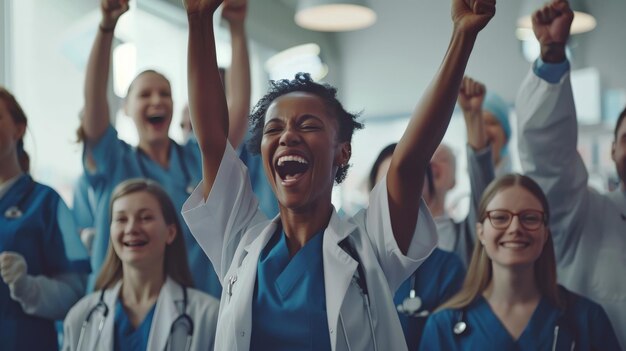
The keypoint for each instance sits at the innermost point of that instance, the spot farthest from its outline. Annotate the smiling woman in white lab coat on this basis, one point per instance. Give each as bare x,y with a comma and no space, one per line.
309,280
144,299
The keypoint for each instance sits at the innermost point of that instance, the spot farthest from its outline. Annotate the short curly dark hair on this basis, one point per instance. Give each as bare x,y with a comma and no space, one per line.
302,82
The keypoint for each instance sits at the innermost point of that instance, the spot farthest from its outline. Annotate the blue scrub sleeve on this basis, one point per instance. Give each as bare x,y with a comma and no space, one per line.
432,337
551,72
105,154
64,252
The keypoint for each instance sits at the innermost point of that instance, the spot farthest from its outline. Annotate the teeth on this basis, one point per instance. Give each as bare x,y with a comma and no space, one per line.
514,244
294,158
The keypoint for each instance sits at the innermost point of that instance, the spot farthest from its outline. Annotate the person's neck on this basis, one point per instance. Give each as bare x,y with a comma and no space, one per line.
157,151
436,204
141,287
301,225
9,169
510,286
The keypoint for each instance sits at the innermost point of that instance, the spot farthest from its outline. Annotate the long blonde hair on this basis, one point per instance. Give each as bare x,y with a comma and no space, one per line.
175,263
479,273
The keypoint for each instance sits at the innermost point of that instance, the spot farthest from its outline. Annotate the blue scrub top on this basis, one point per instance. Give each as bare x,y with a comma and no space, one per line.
45,234
584,324
436,280
289,302
83,203
127,338
261,187
117,161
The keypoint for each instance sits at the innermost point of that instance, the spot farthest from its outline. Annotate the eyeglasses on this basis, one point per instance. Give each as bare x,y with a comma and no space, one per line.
529,219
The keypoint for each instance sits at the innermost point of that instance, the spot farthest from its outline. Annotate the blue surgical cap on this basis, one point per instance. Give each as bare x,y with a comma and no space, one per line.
500,110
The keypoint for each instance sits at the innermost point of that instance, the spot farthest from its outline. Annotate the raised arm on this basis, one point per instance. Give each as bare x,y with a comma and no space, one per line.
207,103
238,75
471,97
430,119
97,114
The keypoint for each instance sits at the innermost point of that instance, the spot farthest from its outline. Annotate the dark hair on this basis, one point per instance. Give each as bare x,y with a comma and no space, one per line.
388,152
132,84
620,119
19,117
303,83
175,264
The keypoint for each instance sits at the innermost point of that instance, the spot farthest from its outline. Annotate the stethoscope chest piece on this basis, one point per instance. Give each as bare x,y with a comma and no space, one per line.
459,328
189,189
13,212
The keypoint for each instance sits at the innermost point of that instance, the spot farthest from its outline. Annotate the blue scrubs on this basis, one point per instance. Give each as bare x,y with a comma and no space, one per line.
289,302
261,187
436,280
45,234
83,204
583,325
117,161
127,338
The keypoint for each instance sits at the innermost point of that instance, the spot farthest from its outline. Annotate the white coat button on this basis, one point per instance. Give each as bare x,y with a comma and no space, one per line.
332,330
242,334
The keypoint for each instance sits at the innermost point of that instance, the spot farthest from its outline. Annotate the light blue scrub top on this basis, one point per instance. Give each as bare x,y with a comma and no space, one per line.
261,187
127,338
45,234
436,280
117,161
83,203
289,302
583,325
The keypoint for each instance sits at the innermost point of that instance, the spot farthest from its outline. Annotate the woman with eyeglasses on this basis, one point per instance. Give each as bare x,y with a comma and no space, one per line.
144,298
510,299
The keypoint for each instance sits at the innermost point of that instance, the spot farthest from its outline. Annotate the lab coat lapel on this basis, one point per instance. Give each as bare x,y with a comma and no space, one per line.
339,268
243,309
165,313
106,339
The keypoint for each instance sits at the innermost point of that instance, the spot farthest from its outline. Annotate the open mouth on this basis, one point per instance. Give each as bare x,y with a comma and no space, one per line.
135,243
291,167
156,120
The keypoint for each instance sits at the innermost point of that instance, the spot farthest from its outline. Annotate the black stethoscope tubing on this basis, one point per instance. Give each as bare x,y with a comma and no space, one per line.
101,305
16,211
183,164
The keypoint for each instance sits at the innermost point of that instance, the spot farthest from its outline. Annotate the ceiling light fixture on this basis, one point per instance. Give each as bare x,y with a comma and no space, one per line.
334,15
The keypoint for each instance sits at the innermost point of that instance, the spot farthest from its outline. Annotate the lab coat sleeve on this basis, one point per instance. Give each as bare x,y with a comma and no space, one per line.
50,297
396,266
548,134
74,320
219,223
481,173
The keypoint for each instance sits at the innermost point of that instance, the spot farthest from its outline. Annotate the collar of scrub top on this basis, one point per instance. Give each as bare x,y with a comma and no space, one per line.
189,187
17,211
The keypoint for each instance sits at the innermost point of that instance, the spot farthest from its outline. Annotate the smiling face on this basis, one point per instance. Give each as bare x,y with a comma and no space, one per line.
301,152
139,233
515,245
149,104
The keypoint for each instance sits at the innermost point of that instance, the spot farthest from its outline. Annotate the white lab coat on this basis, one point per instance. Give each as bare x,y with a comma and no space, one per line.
233,231
588,228
201,307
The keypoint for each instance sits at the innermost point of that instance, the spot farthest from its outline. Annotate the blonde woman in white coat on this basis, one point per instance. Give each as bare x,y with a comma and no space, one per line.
143,298
310,280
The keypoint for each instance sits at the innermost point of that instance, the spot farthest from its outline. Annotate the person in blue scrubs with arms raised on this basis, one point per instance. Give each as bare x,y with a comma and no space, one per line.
435,281
510,299
144,298
43,263
149,103
310,280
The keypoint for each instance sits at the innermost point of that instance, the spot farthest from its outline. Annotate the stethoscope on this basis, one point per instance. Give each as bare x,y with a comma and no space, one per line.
412,303
460,328
359,278
15,212
101,307
183,165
